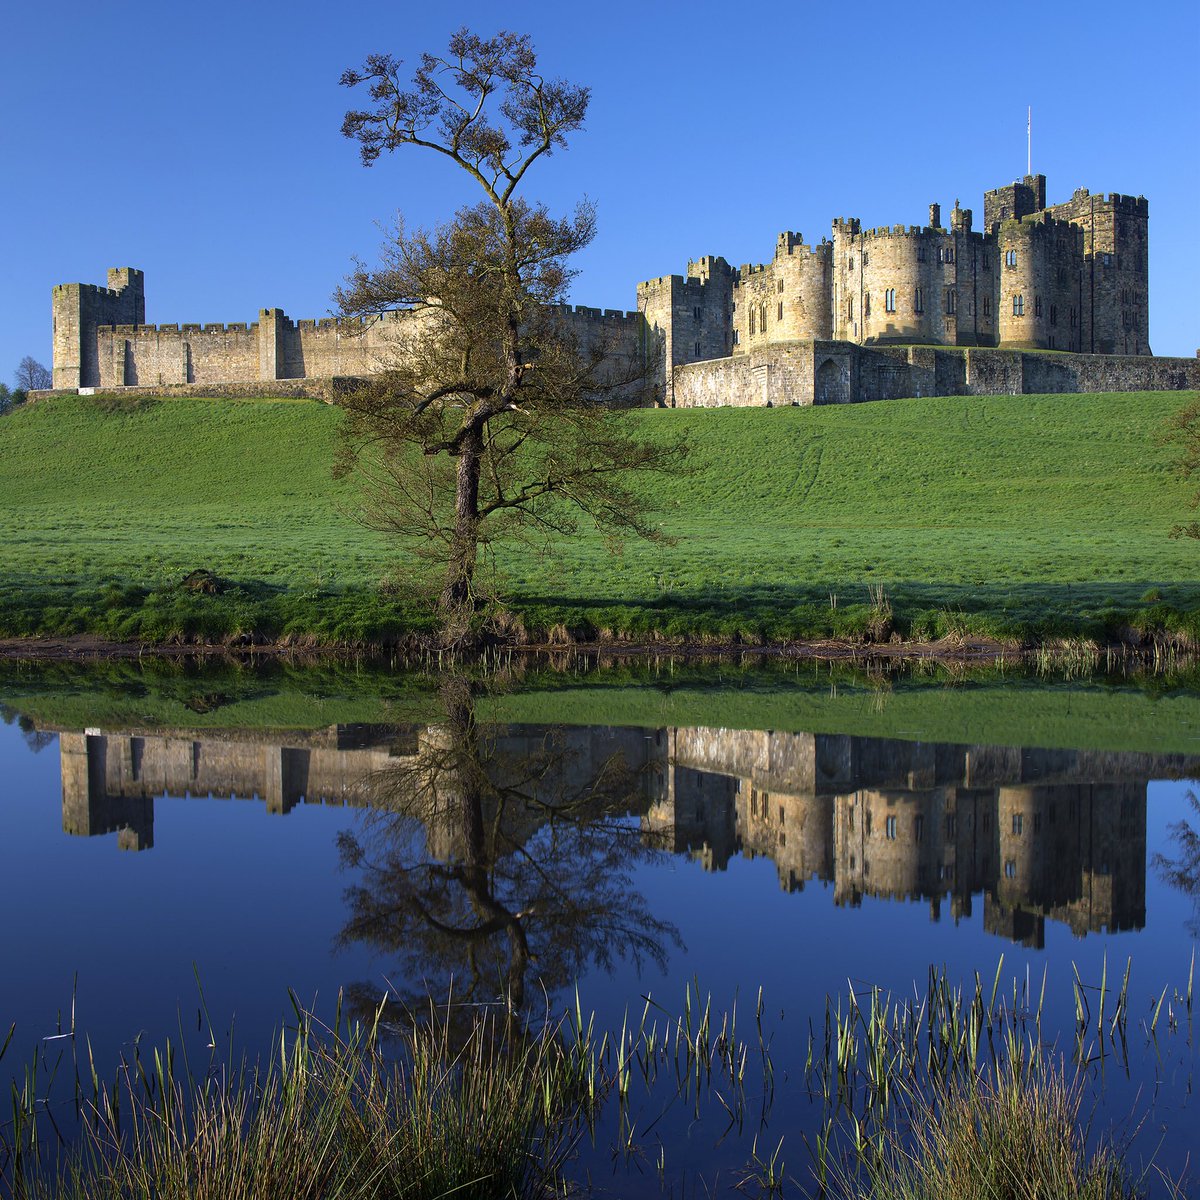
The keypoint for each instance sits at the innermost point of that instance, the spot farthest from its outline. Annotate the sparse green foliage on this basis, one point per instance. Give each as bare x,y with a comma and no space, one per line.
489,422
1183,430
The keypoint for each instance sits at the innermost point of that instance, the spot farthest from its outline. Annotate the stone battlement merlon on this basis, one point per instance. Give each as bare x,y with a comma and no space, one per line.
603,314
142,330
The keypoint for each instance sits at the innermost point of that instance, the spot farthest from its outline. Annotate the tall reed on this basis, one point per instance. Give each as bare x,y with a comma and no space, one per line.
334,1114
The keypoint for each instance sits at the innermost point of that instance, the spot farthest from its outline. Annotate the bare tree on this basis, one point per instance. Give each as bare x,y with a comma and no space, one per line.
493,420
32,376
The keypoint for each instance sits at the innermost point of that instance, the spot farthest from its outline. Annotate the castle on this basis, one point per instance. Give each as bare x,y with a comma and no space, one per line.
865,314
1038,834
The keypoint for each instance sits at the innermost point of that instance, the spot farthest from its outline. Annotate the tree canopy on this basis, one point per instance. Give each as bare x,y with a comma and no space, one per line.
492,416
1183,430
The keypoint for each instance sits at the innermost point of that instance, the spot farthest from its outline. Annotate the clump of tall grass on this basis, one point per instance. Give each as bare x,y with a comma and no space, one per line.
1014,1134
483,1113
956,1095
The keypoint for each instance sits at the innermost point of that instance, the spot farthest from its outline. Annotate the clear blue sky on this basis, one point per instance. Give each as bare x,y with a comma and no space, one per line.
201,142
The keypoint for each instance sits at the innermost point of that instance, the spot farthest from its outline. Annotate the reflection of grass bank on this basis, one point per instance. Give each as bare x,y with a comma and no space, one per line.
1004,517
1152,712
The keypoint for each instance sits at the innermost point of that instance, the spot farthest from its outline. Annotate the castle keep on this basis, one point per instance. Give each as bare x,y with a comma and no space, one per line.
865,314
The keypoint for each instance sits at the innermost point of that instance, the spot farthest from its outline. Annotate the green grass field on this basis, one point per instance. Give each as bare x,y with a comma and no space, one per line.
1019,516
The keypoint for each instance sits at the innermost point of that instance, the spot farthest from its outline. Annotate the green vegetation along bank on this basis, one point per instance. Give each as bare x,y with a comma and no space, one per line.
1022,518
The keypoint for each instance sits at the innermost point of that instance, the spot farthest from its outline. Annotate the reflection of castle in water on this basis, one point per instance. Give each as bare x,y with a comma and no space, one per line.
1040,833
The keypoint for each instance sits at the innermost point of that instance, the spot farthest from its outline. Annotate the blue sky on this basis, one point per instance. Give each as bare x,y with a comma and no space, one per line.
201,143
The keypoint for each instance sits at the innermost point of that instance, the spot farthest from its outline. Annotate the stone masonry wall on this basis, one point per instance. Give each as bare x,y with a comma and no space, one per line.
101,340
772,375
801,373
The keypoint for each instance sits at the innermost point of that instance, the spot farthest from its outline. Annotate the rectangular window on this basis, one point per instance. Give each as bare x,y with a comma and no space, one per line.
1106,259
850,309
950,826
781,310
951,300
737,337
850,261
864,258
697,349
949,254
1018,306
889,828
867,304
920,254
696,313
762,317
1072,318
987,306
987,261
919,829
779,287
889,300
919,300
1010,869
1037,306
1010,258
752,313
1018,822
1054,314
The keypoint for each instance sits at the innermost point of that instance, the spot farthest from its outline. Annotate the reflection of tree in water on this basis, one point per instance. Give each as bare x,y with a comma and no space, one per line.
1183,871
495,866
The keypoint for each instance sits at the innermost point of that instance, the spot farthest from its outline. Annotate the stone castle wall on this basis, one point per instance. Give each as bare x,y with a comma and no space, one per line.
802,373
864,315
101,341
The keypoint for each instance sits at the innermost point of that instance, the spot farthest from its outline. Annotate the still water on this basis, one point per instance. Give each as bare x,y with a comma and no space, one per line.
183,838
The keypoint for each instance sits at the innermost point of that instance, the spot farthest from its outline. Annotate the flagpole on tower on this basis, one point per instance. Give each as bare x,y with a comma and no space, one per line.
1029,141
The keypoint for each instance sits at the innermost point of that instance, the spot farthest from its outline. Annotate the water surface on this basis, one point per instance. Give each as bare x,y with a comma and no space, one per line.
172,840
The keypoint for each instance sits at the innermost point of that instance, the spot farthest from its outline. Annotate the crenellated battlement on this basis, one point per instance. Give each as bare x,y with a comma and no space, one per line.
793,245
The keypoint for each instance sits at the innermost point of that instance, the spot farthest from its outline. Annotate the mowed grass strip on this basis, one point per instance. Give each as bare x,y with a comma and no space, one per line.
1014,515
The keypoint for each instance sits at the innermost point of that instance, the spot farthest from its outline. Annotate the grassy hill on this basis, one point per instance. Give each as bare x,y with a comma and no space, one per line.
1015,516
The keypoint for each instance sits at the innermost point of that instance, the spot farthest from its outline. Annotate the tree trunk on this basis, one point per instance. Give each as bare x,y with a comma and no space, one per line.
456,599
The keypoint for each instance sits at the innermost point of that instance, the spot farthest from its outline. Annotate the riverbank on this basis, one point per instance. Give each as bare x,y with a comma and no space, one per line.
950,651
1015,521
